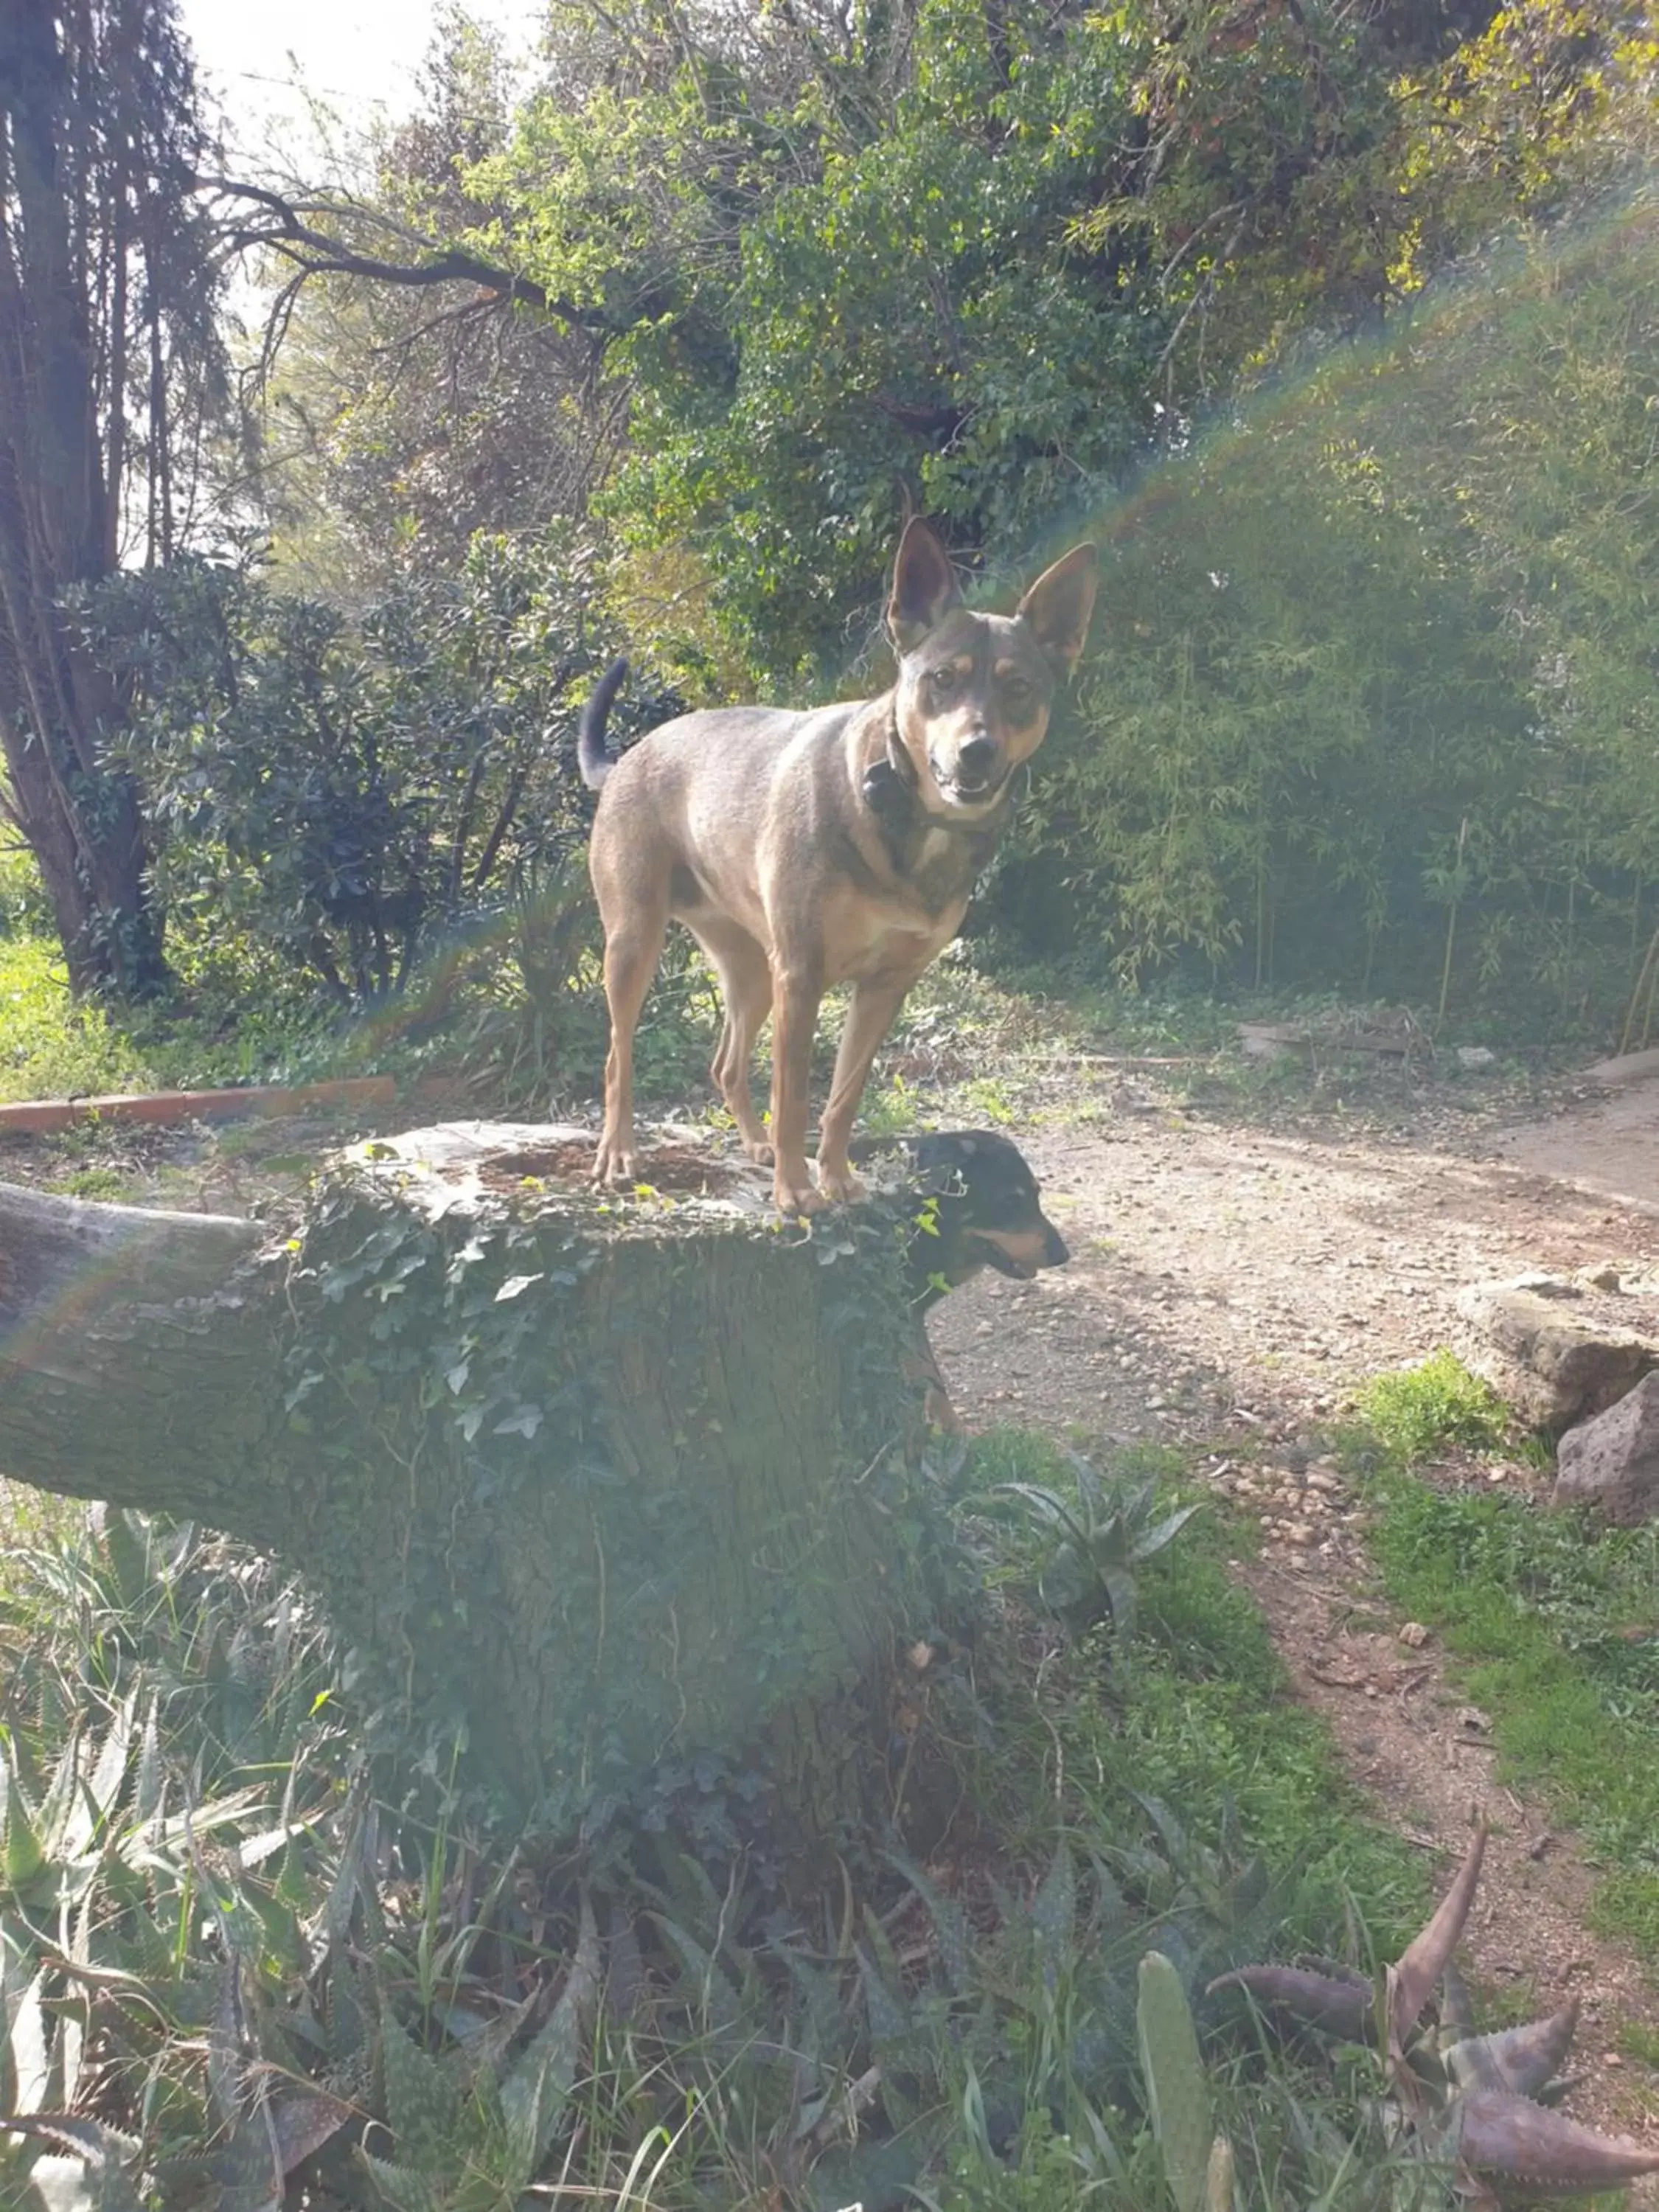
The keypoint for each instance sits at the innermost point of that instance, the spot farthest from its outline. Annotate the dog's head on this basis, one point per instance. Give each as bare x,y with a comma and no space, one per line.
974,691
985,1213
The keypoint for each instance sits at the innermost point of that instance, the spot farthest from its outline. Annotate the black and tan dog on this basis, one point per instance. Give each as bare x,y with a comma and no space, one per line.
803,850
982,1208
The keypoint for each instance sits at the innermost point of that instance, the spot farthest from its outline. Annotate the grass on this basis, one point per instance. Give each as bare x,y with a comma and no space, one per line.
1552,1620
50,1048
1103,1800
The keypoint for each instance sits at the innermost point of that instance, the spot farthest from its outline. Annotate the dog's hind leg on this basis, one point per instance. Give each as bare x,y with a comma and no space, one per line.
746,980
633,947
876,1002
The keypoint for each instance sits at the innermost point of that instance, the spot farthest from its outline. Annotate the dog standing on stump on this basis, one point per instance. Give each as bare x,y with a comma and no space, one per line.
803,850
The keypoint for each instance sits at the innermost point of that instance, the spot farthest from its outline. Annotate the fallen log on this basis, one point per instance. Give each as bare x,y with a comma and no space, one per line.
590,1483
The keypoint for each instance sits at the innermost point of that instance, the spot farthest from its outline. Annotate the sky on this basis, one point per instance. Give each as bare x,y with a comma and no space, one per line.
357,55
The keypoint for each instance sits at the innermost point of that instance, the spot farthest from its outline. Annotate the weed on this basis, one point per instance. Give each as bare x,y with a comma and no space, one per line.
93,1183
1436,1406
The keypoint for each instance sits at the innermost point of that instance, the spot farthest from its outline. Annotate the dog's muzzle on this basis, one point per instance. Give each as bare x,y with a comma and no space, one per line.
970,789
1021,1266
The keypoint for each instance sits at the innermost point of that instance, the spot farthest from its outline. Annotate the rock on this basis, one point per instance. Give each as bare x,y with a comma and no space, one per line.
1413,1635
1628,1067
1272,1040
1554,1350
1612,1462
1475,1055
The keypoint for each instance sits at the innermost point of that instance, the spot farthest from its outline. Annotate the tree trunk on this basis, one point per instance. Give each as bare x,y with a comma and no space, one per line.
67,176
593,1484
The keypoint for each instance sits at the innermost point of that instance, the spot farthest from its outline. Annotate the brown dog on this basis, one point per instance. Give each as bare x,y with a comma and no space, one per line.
806,849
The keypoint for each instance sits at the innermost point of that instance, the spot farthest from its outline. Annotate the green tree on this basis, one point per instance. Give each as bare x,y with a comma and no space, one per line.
397,424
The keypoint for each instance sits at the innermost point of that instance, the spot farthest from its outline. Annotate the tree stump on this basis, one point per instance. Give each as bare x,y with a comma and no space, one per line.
590,1484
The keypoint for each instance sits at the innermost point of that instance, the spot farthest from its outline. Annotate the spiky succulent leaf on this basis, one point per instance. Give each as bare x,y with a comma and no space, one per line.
1344,2007
424,2104
1054,1916
1516,2140
1411,1980
302,2124
1520,2060
1149,1542
25,1849
86,2167
535,2094
717,1994
25,2062
401,2187
950,1922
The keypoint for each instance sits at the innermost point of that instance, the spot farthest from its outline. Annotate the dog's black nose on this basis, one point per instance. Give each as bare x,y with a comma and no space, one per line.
977,757
1054,1254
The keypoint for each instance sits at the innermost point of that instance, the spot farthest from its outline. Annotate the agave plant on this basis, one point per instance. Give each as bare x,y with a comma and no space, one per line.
471,2129
1112,1529
1483,2102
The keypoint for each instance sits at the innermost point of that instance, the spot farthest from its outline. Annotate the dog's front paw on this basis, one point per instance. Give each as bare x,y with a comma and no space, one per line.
793,1194
759,1151
839,1186
613,1163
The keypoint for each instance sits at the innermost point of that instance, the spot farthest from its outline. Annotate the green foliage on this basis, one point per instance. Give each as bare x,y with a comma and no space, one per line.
160,1806
49,1047
351,793
272,1960
1434,1406
826,259
481,2154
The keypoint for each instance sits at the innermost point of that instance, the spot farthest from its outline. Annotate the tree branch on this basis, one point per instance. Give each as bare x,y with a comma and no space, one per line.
315,252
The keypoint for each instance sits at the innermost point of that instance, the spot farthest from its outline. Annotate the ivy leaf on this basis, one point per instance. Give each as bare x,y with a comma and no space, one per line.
524,1423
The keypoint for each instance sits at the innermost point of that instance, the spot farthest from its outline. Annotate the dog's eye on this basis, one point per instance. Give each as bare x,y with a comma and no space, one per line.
1017,690
944,680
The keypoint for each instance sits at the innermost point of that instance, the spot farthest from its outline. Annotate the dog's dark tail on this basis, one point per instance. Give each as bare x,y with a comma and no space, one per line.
593,755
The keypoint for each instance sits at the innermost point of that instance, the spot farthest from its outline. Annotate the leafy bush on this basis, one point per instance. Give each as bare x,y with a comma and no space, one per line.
353,792
1368,701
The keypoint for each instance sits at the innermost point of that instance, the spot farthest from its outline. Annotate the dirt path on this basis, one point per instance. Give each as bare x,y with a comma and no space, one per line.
1226,1288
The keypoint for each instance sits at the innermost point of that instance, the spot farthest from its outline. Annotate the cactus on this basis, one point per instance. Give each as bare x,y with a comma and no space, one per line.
1486,2096
1199,2170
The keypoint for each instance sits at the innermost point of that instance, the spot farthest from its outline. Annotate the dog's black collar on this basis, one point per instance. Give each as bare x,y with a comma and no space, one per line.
891,790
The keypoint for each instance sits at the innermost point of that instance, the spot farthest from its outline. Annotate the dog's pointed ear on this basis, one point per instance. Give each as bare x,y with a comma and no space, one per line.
925,586
1059,604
